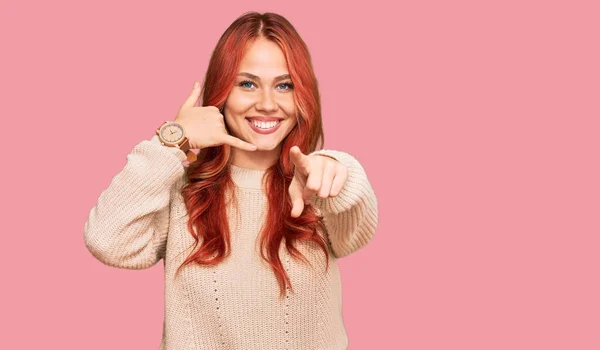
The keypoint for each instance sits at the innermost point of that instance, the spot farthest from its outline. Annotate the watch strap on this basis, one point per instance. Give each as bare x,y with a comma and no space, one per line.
191,156
185,146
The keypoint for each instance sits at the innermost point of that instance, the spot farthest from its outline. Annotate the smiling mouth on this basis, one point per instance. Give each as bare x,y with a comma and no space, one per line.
264,125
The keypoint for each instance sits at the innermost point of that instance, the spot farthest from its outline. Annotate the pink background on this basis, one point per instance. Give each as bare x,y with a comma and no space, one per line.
477,123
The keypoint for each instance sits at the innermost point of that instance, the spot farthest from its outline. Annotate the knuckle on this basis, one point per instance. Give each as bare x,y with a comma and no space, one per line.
331,166
312,187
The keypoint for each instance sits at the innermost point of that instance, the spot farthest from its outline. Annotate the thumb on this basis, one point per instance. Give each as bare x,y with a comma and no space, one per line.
194,96
296,198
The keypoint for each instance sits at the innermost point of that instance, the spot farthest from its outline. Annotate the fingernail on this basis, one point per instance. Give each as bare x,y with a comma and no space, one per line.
195,85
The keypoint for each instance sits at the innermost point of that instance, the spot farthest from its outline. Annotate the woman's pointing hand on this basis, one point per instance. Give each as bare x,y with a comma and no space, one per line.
314,175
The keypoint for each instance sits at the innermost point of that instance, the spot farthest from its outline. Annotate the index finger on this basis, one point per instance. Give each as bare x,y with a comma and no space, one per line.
299,159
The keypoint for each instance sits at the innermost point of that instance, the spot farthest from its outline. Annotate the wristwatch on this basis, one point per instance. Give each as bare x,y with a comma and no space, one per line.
172,134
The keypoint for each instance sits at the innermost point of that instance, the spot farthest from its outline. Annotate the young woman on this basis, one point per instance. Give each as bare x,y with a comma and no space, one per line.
251,228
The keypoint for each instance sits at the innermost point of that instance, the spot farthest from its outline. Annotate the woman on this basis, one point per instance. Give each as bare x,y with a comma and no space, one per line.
250,230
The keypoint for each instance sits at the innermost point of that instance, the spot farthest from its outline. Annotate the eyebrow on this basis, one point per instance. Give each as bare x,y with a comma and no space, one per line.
252,76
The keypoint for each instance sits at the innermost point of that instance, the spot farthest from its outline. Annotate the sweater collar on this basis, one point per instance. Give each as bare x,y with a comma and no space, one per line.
247,178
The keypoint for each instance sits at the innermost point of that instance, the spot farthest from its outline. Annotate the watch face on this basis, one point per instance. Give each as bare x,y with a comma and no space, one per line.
172,133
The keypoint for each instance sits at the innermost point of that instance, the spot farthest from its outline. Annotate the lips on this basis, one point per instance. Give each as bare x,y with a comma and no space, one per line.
264,119
263,131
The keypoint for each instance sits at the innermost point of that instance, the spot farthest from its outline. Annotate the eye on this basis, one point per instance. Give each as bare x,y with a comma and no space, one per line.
245,83
289,85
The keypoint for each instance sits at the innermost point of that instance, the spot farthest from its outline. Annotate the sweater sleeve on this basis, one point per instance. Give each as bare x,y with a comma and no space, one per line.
128,226
351,217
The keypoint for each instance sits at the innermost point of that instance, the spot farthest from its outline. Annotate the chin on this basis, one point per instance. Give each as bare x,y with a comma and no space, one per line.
266,146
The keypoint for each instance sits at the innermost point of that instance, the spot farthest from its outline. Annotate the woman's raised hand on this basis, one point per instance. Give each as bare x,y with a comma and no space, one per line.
205,126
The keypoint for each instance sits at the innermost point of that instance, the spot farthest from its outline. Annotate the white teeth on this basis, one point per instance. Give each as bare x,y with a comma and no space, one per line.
264,125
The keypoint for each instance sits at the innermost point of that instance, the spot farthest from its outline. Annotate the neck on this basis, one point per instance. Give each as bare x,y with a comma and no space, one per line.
256,160
248,178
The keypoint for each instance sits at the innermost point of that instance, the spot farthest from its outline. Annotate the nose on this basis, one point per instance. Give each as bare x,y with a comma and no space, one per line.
266,102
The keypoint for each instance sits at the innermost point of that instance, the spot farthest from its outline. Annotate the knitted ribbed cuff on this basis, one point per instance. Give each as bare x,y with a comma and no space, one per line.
166,149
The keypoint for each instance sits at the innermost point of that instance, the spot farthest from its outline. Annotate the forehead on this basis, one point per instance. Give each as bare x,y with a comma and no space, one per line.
265,59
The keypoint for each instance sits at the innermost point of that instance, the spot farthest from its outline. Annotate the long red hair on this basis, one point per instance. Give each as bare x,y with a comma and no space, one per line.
209,178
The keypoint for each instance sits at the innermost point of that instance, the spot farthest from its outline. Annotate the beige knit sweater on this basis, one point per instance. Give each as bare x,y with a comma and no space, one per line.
141,218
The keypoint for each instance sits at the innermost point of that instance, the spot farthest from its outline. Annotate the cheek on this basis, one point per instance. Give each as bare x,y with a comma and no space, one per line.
293,123
238,102
289,107
291,126
231,119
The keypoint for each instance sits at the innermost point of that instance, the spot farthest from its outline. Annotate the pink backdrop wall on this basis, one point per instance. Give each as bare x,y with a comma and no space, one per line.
477,123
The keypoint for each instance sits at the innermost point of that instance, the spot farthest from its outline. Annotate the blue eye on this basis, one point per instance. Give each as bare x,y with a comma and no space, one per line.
243,83
248,84
289,85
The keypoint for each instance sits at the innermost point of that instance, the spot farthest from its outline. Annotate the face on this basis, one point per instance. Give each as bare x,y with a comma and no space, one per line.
260,108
